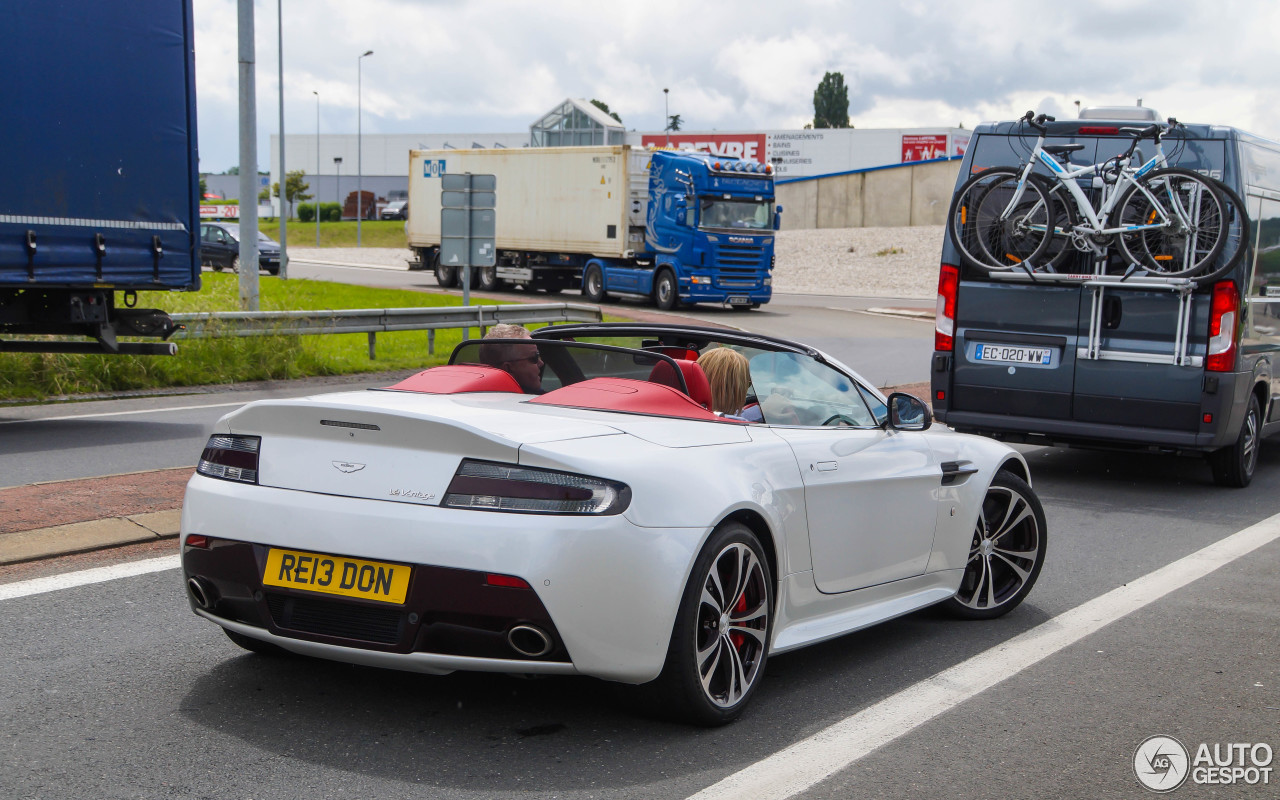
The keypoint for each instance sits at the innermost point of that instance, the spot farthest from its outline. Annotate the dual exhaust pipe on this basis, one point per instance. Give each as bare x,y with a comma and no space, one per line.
529,641
202,592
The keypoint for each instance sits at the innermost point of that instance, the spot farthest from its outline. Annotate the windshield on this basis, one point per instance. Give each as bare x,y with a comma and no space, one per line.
737,213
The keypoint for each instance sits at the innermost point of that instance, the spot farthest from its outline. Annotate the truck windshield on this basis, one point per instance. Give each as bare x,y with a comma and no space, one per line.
739,213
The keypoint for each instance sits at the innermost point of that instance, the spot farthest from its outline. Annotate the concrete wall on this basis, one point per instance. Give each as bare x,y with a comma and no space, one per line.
898,196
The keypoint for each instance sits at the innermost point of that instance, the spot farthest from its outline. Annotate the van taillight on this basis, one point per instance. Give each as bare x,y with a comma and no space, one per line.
1223,313
944,321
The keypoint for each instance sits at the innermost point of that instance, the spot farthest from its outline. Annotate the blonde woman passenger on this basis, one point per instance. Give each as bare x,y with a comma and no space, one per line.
729,375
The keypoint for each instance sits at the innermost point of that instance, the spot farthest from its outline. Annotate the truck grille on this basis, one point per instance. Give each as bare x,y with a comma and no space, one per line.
740,255
336,618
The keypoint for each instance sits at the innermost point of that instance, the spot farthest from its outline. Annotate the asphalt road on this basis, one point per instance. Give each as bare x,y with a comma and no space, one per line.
115,689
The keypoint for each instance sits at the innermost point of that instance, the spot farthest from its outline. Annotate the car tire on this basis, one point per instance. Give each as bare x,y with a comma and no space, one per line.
1005,554
255,645
1234,465
447,277
217,267
711,674
666,293
593,284
234,264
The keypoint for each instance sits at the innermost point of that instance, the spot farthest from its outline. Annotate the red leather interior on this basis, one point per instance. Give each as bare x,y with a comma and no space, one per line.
694,378
459,379
625,394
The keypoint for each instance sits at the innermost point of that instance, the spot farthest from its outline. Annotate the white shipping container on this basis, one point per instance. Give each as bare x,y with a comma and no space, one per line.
549,199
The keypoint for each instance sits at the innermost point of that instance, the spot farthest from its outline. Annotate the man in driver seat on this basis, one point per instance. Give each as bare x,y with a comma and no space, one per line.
519,359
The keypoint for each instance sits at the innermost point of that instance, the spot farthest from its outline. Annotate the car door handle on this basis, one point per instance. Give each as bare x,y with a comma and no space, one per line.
953,471
827,466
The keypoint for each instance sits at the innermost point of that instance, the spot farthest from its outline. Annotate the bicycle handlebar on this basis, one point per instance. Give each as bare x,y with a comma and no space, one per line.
1037,122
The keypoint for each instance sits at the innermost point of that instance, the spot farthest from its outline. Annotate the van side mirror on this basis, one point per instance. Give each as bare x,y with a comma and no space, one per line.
908,413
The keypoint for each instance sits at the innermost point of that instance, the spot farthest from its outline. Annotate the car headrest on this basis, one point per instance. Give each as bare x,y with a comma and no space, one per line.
694,378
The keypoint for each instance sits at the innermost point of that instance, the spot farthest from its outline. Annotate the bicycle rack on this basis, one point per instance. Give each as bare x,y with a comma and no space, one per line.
1098,284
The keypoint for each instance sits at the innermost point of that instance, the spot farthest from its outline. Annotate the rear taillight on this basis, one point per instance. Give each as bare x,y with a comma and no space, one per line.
1223,314
231,458
490,486
1099,130
944,325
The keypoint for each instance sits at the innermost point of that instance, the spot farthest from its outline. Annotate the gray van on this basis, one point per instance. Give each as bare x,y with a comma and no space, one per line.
1145,363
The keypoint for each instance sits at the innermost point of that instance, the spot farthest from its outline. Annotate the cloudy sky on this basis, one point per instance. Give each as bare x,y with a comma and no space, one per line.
485,66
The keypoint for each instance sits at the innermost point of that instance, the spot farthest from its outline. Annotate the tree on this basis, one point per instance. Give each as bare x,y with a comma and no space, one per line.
605,108
295,189
831,102
674,122
204,188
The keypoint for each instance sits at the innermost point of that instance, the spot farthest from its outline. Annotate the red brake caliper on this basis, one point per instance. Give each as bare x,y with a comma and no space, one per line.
739,607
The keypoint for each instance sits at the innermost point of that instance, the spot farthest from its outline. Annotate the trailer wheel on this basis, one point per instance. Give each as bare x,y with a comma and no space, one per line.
593,284
487,279
447,277
665,293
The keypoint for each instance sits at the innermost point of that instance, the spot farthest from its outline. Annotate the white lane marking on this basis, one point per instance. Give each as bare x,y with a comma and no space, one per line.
123,413
807,762
70,580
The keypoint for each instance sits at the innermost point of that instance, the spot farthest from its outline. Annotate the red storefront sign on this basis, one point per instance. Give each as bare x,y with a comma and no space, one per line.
922,147
749,146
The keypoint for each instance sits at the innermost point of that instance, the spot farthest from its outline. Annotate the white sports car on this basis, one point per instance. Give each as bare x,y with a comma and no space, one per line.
569,505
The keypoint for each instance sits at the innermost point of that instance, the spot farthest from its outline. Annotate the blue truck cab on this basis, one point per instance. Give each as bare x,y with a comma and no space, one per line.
99,160
708,236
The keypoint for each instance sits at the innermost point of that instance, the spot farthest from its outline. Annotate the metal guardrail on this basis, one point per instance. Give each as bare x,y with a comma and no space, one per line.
373,321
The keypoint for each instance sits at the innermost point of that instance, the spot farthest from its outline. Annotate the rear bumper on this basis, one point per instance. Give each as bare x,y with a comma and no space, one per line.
606,589
1225,406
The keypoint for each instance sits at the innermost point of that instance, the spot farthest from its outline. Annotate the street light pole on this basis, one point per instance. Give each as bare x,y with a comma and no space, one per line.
666,114
359,151
317,194
284,183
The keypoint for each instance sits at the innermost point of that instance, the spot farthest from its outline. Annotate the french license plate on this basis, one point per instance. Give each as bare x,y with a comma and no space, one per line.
1013,354
348,577
739,300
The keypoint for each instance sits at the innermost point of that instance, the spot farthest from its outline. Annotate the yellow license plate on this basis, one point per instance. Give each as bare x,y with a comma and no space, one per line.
349,577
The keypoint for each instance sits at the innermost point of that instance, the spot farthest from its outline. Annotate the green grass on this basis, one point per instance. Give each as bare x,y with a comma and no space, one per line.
373,233
231,359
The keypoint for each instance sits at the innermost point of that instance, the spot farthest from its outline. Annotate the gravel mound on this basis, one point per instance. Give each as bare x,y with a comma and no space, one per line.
858,262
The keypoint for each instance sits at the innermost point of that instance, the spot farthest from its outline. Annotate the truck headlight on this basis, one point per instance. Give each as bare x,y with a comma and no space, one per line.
702,279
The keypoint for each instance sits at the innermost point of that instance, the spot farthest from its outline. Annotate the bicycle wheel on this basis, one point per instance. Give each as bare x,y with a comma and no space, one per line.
960,218
1196,224
1238,234
999,228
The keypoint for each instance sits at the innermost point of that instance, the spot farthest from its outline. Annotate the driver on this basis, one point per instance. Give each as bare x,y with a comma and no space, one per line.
520,359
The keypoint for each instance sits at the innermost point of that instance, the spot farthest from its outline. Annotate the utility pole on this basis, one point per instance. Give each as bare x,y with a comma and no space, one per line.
284,183
248,162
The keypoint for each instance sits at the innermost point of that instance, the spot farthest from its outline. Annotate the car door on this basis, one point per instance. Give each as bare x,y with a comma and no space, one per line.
870,492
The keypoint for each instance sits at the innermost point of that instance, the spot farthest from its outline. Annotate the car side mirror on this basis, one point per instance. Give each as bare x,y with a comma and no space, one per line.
908,413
